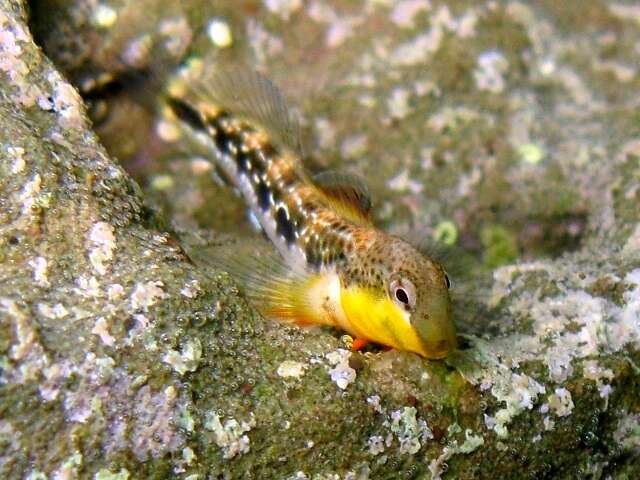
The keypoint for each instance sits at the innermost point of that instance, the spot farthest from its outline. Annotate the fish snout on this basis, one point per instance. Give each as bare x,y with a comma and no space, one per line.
437,331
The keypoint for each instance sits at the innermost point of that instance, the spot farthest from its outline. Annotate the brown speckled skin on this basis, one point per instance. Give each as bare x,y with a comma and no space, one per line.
379,256
305,217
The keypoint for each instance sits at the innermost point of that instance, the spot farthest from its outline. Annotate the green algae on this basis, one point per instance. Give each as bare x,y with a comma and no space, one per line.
500,246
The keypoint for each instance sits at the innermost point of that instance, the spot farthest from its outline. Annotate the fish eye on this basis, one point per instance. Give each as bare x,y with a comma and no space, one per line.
447,281
403,293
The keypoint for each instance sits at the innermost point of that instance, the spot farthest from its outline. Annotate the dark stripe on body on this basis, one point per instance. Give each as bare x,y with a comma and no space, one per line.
187,114
228,136
284,226
328,248
264,195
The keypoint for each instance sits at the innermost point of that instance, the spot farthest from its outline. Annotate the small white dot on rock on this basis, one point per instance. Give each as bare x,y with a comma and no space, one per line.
220,33
104,16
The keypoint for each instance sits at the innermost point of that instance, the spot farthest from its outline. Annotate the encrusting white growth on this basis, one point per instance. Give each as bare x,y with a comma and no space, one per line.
405,11
375,444
103,242
230,437
627,434
374,402
19,162
146,295
291,369
398,103
101,329
186,360
342,374
560,402
115,291
40,271
410,431
471,443
29,193
283,8
58,311
192,289
489,76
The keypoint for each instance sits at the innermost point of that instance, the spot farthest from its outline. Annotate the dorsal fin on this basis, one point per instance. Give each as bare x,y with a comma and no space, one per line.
243,93
348,194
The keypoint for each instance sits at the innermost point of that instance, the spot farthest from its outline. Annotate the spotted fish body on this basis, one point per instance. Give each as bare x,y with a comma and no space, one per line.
334,267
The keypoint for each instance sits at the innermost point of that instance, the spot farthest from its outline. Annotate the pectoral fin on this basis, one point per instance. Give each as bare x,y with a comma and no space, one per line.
276,289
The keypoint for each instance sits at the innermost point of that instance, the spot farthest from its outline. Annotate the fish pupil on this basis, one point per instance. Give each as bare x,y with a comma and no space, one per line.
402,296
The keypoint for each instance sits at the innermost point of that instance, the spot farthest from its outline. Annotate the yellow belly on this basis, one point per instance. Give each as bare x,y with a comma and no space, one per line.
377,318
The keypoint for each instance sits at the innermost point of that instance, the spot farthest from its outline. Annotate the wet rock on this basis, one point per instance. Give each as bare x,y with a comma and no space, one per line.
121,357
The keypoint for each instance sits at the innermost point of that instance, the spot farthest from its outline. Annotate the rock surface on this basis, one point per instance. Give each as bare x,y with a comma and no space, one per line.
506,130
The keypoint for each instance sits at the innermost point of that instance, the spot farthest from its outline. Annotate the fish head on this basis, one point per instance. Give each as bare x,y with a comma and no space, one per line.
418,287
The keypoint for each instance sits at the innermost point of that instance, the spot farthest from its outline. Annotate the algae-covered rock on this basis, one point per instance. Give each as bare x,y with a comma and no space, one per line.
506,130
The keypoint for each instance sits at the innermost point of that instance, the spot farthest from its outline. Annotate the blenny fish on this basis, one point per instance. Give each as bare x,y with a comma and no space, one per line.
333,267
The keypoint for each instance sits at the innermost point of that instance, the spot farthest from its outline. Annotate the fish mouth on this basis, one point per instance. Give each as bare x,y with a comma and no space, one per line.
440,349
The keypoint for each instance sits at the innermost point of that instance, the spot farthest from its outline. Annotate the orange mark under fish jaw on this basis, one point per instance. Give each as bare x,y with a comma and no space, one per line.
359,344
